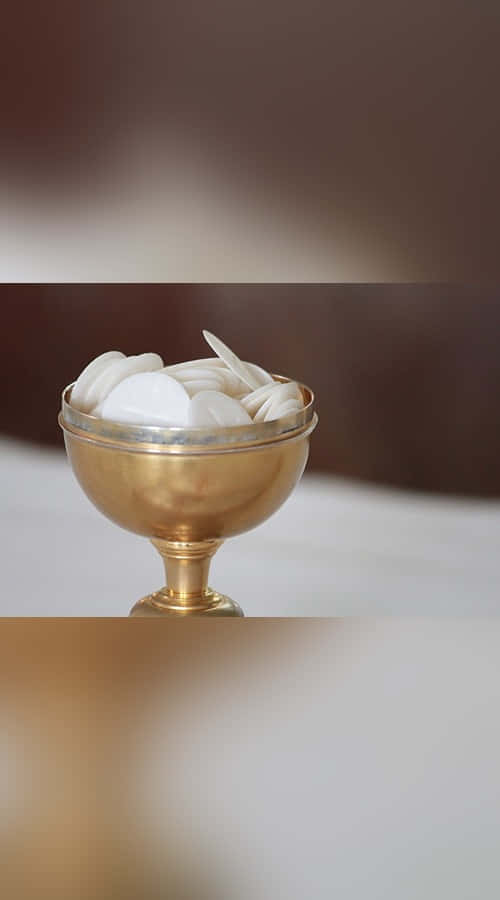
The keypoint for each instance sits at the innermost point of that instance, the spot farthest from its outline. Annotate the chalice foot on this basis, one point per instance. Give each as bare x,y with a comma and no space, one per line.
186,591
161,604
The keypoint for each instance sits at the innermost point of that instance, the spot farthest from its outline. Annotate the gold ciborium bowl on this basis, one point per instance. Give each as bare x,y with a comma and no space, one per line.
187,490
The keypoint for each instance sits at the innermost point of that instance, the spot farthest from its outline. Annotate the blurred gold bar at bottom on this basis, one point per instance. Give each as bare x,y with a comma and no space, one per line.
79,699
248,759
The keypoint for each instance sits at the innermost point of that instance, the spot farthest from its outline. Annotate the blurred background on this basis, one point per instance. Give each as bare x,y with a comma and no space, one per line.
250,760
401,495
303,142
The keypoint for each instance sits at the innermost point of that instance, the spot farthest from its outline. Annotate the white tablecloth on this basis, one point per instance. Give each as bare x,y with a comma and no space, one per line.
335,548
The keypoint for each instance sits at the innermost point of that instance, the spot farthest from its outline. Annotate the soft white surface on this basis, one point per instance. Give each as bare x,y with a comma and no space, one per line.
335,548
358,761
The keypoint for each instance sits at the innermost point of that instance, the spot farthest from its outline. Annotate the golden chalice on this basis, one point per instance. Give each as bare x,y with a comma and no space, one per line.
187,489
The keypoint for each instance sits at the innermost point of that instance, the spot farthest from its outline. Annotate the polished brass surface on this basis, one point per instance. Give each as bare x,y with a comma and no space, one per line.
186,591
187,490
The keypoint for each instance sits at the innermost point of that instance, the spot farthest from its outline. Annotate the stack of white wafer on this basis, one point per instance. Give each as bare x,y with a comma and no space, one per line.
220,391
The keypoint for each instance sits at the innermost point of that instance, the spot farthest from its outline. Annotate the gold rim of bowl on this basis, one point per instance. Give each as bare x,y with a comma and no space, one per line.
155,439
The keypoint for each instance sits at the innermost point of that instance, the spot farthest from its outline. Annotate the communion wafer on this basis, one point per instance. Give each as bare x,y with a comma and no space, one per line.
148,398
119,370
88,376
232,361
284,409
219,391
210,408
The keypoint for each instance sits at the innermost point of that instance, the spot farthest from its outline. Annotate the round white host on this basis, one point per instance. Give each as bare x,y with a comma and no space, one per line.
209,361
253,401
252,377
210,408
86,378
261,375
117,372
284,409
273,400
148,398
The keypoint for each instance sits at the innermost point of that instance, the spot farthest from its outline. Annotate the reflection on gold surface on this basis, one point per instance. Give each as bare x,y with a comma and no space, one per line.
187,490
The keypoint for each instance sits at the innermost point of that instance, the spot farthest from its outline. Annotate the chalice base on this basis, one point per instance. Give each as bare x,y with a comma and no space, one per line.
161,603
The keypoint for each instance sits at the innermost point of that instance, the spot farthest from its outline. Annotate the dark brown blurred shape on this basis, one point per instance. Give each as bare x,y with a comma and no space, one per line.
382,117
407,377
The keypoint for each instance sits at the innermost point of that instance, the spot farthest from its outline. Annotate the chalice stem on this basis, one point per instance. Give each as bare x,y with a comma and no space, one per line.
186,568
